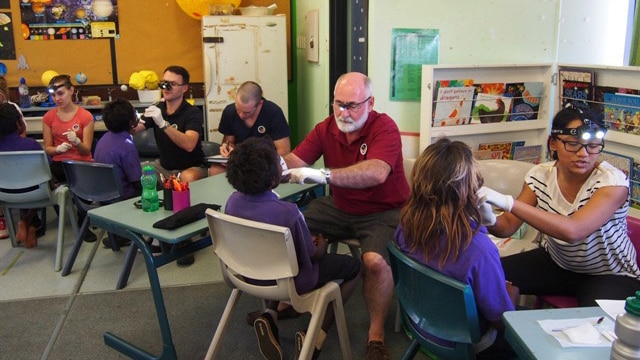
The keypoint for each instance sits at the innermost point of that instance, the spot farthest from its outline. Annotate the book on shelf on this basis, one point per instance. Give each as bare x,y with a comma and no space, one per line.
490,105
622,112
529,153
499,150
635,185
526,98
598,102
453,106
514,146
577,87
486,154
622,162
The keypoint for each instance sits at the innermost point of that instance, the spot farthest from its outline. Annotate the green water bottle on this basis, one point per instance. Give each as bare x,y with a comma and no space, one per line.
149,199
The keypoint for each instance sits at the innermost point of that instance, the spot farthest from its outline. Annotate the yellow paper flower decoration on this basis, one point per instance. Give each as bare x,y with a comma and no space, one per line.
144,79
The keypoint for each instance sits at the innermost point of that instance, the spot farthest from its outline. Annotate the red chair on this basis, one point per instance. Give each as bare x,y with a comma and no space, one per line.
633,229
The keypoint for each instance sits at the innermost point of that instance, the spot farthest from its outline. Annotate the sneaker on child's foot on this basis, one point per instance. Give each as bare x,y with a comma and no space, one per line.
377,350
299,342
268,340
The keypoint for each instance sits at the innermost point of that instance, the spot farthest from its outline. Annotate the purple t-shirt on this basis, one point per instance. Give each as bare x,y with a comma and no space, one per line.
14,142
479,266
267,208
118,149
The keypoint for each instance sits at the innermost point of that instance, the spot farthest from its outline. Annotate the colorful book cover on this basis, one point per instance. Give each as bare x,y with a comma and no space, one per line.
526,97
485,155
622,162
490,105
598,103
577,87
514,146
635,186
453,106
529,153
500,150
622,112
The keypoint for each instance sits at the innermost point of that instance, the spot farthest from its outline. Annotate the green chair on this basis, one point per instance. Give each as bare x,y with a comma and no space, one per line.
433,303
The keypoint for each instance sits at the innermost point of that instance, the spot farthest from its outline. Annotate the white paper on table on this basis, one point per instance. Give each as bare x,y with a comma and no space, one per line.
612,307
556,328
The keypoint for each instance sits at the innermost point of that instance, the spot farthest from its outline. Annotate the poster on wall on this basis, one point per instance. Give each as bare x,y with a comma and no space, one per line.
5,4
7,44
69,19
410,49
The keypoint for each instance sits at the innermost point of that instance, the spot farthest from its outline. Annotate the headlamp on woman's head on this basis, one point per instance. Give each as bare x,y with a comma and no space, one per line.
587,131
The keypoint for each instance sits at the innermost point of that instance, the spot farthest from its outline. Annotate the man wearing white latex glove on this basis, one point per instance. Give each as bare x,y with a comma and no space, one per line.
177,126
362,153
64,147
504,202
153,112
486,211
306,175
72,137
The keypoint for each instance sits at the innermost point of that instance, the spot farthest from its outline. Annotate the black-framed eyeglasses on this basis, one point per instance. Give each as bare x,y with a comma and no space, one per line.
168,85
574,146
350,106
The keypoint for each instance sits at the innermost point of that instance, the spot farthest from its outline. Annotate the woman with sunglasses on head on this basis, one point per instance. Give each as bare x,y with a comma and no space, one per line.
67,130
579,205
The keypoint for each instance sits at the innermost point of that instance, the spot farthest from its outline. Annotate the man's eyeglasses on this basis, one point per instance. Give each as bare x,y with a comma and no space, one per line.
574,146
350,106
168,85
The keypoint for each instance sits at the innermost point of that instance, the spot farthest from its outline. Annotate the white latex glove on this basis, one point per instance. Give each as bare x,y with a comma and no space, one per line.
486,211
283,164
504,202
153,112
64,147
72,137
305,176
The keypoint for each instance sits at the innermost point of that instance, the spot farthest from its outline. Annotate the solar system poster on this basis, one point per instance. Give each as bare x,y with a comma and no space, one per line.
7,44
69,19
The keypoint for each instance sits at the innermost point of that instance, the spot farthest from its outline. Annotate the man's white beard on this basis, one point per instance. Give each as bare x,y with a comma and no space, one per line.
349,124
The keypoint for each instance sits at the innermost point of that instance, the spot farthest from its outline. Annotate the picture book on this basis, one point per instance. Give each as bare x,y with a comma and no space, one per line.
485,155
622,162
490,105
447,83
635,186
514,145
529,153
526,97
598,103
577,87
453,106
499,150
622,112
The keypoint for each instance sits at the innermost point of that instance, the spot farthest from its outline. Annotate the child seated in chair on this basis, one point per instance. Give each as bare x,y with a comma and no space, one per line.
11,127
116,147
254,171
442,227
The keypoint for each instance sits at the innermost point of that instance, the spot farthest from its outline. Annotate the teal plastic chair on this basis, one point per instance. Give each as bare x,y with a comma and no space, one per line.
433,303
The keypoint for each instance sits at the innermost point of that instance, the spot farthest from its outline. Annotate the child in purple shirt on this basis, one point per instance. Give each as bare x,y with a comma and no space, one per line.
11,126
116,147
441,226
254,170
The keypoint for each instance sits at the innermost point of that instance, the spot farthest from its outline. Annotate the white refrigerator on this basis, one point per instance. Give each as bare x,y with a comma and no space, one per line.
237,49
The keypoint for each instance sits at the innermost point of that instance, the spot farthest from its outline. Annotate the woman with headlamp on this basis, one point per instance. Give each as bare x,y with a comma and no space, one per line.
580,206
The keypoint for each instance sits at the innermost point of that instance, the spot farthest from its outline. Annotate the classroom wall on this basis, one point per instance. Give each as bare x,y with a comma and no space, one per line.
153,35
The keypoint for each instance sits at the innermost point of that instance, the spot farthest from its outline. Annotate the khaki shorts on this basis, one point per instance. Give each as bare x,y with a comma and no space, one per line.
167,173
373,231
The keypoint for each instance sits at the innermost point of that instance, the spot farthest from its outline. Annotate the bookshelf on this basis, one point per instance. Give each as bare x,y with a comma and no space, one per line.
533,132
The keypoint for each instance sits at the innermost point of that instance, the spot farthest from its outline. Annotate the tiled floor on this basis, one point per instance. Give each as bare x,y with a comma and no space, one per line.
28,273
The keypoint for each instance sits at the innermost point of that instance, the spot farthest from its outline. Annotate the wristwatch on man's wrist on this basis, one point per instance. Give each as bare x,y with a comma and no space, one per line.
327,175
164,125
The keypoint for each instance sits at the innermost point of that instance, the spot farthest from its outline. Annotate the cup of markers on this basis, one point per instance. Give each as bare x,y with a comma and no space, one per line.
180,194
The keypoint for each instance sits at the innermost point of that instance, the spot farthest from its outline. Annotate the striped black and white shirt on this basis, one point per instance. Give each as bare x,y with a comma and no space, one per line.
608,250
